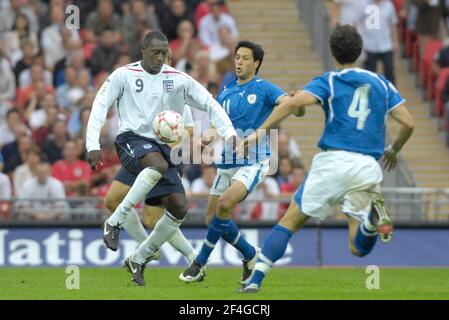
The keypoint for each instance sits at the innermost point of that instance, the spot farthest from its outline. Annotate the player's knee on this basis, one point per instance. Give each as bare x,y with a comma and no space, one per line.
178,209
224,205
161,167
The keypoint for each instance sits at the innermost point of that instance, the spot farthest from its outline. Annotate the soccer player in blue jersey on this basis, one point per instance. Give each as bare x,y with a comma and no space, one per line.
356,103
248,101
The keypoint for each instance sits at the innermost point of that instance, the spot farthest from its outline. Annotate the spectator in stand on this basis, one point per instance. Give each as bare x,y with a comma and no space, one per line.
346,12
41,135
380,42
38,87
287,146
259,206
13,153
39,195
201,186
170,19
185,46
83,118
7,134
428,19
288,188
106,54
75,174
36,72
36,110
63,91
203,69
26,46
140,17
209,28
104,18
441,59
19,32
55,36
223,53
204,8
284,170
54,147
26,170
75,57
5,183
8,15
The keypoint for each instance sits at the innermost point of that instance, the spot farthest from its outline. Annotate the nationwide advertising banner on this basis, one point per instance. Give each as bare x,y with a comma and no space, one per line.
53,247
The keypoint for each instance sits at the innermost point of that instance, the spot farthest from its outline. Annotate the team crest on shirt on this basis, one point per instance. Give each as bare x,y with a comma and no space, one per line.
168,86
252,98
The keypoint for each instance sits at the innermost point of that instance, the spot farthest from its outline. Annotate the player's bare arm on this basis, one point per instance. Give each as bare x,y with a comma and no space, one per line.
286,107
401,115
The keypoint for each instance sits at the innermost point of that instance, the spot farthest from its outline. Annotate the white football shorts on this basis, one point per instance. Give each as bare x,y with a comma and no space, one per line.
251,176
344,178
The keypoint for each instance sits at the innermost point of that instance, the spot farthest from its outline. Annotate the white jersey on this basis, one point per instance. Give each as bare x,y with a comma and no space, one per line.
141,96
187,117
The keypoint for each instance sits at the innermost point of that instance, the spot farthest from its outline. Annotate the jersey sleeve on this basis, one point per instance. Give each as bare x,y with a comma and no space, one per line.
394,99
199,98
110,91
319,88
187,117
272,94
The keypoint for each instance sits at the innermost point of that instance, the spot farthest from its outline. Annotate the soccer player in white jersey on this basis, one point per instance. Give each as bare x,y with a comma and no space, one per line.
143,90
248,100
356,103
153,209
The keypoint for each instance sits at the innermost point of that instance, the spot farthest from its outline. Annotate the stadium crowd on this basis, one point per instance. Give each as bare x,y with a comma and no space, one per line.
49,76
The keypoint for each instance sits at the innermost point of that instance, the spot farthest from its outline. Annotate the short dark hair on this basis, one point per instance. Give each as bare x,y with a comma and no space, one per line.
11,111
346,44
153,35
257,50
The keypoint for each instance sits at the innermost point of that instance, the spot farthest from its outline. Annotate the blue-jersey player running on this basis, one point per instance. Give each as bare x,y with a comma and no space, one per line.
356,103
248,101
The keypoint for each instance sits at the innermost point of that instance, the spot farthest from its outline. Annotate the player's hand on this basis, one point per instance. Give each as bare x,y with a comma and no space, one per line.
207,140
390,158
94,157
242,148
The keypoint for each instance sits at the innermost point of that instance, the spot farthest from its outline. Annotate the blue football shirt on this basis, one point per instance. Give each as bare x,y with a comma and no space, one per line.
248,106
356,103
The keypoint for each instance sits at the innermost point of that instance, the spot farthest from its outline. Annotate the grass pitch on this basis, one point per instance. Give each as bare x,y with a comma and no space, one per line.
220,283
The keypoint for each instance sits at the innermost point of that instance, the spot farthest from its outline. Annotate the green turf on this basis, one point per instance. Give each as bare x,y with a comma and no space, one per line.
220,283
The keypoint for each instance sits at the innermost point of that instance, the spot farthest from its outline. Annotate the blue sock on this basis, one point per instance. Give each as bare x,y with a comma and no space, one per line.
217,227
273,249
234,237
365,240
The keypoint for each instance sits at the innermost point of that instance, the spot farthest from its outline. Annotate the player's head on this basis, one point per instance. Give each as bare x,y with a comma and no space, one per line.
346,44
248,59
154,51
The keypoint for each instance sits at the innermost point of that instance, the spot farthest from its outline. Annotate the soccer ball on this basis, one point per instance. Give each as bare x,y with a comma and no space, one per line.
168,126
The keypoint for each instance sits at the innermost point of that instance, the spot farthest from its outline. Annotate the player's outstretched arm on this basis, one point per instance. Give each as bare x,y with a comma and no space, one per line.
288,106
401,115
108,93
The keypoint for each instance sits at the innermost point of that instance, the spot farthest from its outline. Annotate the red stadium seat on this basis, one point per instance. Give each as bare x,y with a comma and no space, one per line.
439,103
410,39
431,47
